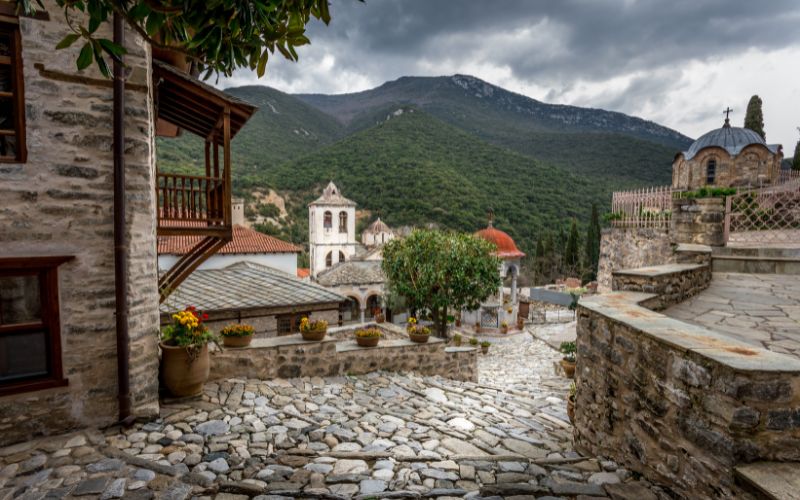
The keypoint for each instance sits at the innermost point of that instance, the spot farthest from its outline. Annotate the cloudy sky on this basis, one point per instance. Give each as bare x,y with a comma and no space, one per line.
676,62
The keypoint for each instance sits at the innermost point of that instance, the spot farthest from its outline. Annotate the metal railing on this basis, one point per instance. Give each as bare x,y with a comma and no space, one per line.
768,215
647,207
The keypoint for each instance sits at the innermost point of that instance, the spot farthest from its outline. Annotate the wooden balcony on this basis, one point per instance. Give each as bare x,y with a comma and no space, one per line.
195,205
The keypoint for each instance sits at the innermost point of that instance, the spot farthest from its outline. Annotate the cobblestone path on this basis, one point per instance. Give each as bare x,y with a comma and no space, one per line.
381,435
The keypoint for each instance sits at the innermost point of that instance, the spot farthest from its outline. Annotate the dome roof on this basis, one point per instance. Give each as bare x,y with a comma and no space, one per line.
731,139
378,227
506,248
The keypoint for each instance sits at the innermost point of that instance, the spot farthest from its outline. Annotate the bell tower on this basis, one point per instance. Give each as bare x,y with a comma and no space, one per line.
331,230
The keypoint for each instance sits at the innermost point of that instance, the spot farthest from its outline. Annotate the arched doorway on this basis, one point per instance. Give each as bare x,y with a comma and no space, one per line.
350,310
373,306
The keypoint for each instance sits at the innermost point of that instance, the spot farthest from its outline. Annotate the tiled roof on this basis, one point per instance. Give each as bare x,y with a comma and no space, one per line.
245,285
332,196
303,272
245,240
506,248
378,227
354,272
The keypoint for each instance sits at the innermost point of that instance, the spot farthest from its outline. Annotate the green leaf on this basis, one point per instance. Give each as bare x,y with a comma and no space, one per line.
67,41
85,57
262,64
112,48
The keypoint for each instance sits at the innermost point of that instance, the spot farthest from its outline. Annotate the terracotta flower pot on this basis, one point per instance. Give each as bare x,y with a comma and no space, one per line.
367,341
237,341
477,328
485,349
314,335
504,329
182,375
418,338
571,409
569,368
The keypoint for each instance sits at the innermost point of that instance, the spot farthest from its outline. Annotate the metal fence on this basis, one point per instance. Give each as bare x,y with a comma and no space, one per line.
648,207
768,215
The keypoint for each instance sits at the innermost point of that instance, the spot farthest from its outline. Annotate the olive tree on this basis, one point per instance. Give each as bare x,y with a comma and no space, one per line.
441,271
218,36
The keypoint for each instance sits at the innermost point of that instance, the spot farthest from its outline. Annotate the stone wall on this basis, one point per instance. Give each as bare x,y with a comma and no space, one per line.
60,202
677,403
671,283
290,356
264,321
698,221
625,248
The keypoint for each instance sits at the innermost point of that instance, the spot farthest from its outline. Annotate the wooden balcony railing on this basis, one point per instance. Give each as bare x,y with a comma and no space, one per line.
192,204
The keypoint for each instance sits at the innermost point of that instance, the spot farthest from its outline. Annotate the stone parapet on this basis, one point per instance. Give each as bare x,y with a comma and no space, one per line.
670,283
625,248
291,356
678,403
699,221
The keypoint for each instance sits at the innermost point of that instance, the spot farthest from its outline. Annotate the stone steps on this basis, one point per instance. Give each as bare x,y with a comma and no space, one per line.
773,480
756,260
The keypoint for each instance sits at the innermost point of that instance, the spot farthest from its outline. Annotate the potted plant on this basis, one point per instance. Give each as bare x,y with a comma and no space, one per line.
568,349
416,333
237,335
458,320
313,330
457,340
184,353
473,342
477,327
504,326
573,389
485,346
510,310
368,337
379,317
520,322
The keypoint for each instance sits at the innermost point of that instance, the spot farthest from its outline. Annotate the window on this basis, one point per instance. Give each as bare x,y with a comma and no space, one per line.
342,222
341,256
290,323
12,99
329,259
328,220
711,171
30,334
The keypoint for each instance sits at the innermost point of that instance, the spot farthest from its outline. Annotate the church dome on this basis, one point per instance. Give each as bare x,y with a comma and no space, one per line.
731,139
506,248
378,227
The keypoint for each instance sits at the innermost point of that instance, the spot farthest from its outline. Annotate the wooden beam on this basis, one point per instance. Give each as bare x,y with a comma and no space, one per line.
226,164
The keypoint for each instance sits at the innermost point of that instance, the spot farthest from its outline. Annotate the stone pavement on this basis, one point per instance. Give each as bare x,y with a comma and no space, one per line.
761,309
381,435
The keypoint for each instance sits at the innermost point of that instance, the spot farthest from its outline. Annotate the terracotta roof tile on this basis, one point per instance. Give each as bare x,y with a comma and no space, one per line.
245,241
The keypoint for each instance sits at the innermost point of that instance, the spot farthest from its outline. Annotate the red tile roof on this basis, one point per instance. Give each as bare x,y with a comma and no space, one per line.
245,240
506,248
303,272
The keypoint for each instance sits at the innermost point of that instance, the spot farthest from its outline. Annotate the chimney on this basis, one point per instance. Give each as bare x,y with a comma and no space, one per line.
237,211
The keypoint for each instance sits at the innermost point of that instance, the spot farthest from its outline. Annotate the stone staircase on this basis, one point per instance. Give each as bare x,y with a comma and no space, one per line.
772,480
752,260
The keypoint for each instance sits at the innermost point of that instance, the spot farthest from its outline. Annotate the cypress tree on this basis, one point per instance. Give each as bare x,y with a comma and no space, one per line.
754,118
593,245
539,263
571,259
796,157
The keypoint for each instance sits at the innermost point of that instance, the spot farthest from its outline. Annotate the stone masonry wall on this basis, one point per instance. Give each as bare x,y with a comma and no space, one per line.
678,417
626,248
60,202
290,356
672,283
699,221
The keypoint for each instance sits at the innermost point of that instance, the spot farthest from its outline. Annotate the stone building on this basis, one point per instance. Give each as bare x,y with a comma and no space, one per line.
59,348
273,302
727,157
377,234
363,284
331,229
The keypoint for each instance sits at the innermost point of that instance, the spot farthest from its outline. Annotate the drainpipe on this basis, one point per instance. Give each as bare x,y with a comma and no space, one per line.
120,236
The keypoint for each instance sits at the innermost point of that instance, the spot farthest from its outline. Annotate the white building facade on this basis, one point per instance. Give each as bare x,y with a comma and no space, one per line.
332,230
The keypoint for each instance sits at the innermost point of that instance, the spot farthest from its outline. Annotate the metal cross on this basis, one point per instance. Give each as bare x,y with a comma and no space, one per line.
490,216
727,112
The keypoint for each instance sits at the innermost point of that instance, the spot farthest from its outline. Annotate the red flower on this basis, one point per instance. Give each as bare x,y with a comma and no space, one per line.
205,316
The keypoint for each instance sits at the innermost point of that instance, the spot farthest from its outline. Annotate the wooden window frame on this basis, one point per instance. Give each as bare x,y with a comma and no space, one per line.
46,269
10,25
711,172
342,222
294,322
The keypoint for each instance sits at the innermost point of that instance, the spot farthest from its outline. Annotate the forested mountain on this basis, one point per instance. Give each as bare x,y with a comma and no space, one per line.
441,150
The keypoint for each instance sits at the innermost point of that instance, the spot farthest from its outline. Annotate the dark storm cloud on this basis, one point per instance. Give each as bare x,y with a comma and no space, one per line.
550,40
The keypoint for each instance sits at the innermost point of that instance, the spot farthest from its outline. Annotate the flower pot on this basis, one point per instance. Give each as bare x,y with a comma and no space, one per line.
457,342
504,329
477,328
520,323
485,349
571,409
237,341
418,338
380,319
182,375
367,341
569,368
315,335
458,323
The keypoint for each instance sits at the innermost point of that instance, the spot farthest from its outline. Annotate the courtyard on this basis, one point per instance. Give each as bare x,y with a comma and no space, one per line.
380,435
760,309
